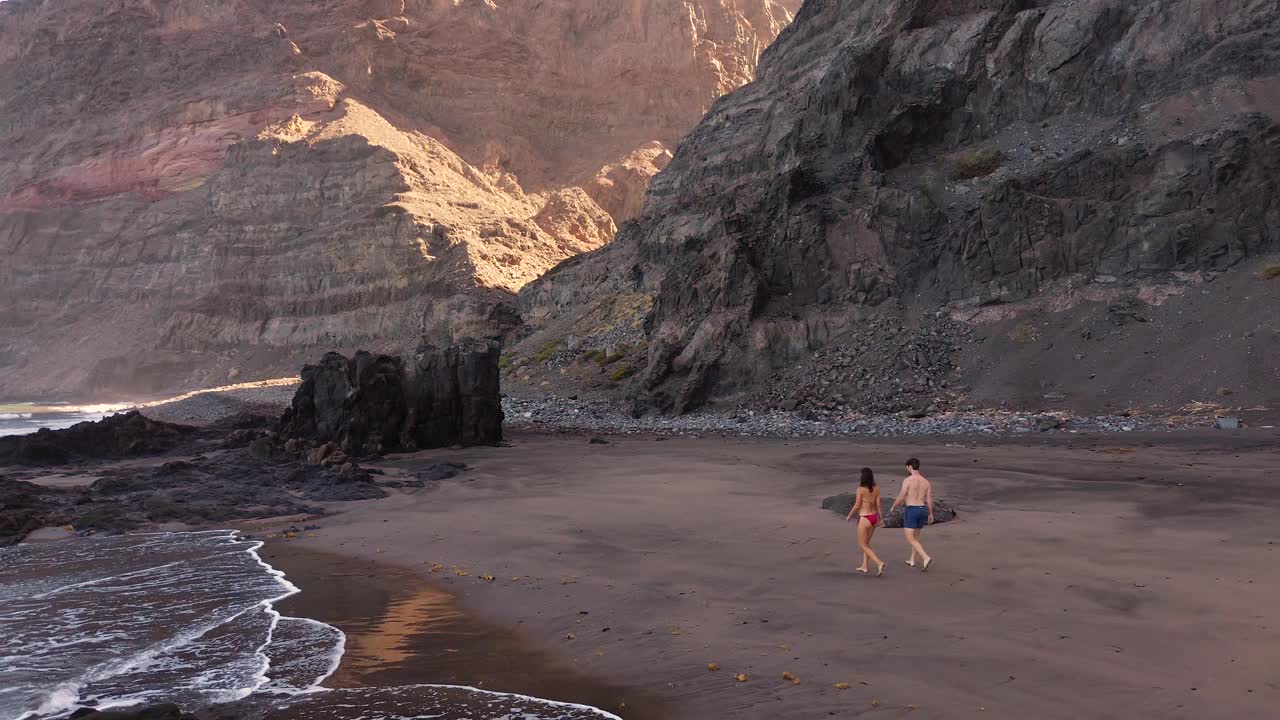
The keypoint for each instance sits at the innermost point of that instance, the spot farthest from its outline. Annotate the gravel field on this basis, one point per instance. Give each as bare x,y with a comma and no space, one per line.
602,417
594,416
209,407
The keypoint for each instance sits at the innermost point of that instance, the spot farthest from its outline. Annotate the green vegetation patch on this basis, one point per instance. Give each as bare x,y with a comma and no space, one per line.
980,163
622,372
505,361
605,357
1270,272
547,350
1024,333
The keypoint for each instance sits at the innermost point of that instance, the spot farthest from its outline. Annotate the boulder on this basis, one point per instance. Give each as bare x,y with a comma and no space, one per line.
1227,423
367,404
841,505
1047,422
442,471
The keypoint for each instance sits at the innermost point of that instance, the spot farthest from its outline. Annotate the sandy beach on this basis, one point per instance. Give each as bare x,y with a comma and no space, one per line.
1106,576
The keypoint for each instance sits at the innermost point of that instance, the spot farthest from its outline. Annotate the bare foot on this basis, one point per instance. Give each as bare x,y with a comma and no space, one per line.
880,570
912,563
861,570
927,563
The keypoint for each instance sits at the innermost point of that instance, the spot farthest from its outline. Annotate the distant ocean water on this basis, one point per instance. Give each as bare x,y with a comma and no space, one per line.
190,618
23,418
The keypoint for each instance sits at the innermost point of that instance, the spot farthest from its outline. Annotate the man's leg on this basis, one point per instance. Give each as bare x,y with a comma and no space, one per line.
907,532
913,537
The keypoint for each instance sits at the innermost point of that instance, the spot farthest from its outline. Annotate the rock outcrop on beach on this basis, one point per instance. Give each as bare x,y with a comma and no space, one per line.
368,405
124,435
892,518
195,192
1021,167
159,711
241,484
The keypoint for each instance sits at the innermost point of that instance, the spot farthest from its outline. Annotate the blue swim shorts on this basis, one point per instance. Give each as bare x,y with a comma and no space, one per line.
915,517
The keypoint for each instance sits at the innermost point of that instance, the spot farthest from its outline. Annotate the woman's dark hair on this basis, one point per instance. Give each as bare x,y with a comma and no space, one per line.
868,479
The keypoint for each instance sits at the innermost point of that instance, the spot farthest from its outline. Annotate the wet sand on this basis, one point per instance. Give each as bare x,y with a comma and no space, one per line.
1124,576
404,630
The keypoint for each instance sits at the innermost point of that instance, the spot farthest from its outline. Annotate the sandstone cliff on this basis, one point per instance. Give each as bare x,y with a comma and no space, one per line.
984,162
192,191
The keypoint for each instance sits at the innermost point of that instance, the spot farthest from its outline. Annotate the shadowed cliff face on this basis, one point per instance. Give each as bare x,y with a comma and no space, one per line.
952,153
192,191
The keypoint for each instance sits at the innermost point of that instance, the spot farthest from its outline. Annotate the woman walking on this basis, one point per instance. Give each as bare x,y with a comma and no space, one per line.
867,506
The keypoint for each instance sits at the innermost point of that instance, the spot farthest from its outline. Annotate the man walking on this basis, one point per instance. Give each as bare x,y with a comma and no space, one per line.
917,493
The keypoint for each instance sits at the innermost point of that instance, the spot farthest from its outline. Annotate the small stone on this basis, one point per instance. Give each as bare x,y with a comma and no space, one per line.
1047,423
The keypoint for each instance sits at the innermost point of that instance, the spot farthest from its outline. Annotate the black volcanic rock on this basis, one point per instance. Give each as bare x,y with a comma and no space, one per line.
939,154
119,436
26,506
230,485
160,711
370,404
841,505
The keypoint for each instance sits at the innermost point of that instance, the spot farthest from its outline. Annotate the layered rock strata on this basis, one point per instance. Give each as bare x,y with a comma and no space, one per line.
192,191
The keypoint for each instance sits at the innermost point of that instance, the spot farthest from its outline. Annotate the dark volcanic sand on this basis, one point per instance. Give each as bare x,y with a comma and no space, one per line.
403,630
1120,576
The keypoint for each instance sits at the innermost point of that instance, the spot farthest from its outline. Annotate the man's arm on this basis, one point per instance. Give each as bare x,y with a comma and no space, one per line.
901,494
928,498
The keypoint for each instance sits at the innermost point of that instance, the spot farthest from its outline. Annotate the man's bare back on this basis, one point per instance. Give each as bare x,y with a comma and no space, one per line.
916,489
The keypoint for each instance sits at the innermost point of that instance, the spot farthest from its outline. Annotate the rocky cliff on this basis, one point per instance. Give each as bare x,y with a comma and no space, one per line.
194,191
1019,171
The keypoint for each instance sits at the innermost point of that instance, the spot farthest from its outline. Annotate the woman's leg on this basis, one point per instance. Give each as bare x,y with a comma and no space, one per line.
863,539
865,531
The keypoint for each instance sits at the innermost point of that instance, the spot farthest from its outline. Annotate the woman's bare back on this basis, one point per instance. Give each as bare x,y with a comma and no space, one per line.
868,501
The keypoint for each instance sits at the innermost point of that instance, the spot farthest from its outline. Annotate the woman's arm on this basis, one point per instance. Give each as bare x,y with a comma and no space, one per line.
857,503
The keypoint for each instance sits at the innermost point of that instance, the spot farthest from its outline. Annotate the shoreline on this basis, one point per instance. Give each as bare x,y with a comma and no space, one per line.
1084,563
403,630
617,572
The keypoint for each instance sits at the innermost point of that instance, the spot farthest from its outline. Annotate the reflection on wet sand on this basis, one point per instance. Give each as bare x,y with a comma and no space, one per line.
401,630
387,642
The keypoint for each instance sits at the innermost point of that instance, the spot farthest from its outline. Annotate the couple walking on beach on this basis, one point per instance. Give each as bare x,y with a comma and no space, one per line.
916,493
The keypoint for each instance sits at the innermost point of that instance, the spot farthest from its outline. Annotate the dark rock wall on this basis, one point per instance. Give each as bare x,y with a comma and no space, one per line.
371,404
1131,139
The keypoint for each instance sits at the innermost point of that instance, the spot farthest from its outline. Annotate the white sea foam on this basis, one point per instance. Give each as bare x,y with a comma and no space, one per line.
190,618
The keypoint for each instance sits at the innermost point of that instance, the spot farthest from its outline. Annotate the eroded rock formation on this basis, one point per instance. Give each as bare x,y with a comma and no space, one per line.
943,155
841,505
371,404
193,190
120,436
232,485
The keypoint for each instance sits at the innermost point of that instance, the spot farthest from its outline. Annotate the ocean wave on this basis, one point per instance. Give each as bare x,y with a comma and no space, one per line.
190,618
